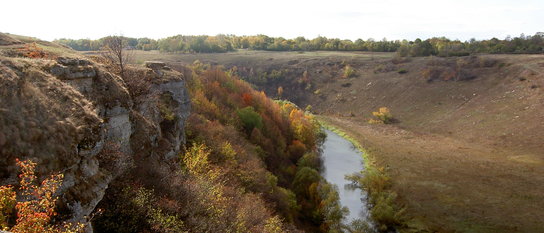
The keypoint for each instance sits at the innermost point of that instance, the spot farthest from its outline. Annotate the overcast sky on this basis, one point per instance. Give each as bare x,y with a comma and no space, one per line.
345,19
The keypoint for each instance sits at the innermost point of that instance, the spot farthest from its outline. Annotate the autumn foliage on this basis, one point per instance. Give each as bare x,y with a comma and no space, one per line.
382,116
31,50
237,172
282,134
36,205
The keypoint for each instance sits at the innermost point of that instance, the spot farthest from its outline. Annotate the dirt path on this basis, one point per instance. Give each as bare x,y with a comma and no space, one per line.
455,185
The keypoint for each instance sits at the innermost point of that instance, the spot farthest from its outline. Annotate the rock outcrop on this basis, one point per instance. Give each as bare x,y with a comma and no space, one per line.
70,115
165,104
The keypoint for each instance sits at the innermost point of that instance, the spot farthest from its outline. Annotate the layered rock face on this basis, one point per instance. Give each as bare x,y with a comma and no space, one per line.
70,115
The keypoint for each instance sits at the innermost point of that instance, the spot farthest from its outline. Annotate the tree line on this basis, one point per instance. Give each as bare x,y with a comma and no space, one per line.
438,46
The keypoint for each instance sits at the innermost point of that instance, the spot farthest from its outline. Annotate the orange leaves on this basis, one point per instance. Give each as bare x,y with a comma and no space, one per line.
37,207
35,212
33,51
247,98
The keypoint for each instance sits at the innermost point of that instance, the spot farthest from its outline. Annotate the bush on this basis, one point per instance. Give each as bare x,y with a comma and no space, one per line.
250,119
383,116
33,51
36,206
383,209
402,71
348,72
7,205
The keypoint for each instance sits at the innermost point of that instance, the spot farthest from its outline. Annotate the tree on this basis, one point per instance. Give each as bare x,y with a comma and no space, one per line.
116,50
280,91
250,119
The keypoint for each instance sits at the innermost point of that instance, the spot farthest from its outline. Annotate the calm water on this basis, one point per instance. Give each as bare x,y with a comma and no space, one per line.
341,158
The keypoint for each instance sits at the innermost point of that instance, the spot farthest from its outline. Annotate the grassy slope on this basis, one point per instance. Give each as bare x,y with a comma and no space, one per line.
465,156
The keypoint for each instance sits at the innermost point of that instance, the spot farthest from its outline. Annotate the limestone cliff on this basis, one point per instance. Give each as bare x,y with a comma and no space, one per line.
71,115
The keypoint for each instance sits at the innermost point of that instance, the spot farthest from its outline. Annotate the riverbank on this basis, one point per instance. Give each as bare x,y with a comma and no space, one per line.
447,185
340,159
373,178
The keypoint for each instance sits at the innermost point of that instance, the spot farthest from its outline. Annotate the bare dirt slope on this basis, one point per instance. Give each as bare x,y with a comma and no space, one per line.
467,151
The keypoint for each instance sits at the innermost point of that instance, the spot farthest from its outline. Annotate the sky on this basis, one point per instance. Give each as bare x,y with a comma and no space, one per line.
345,19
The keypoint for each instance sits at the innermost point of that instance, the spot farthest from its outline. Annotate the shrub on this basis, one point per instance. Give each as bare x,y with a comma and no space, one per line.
273,225
33,51
37,205
333,212
280,91
305,177
381,68
402,71
250,119
137,83
155,216
297,149
348,72
7,205
165,105
383,116
383,208
133,209
310,160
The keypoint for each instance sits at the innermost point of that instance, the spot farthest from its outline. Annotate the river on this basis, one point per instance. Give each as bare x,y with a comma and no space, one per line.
340,158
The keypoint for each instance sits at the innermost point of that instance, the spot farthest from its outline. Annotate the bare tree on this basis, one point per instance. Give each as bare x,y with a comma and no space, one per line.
115,49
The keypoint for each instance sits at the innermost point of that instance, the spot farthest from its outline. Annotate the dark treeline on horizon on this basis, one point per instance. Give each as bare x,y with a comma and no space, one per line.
438,46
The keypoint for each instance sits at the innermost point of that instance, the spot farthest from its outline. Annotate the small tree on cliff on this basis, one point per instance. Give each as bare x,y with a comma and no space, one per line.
34,205
115,49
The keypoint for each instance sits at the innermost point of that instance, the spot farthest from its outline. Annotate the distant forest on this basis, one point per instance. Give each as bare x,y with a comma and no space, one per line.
438,46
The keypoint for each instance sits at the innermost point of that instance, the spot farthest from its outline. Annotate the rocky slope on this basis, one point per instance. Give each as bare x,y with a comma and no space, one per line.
71,115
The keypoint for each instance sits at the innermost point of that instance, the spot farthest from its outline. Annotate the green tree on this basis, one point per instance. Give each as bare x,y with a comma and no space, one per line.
250,119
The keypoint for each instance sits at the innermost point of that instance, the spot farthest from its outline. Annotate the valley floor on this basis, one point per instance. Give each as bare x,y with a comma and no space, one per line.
456,185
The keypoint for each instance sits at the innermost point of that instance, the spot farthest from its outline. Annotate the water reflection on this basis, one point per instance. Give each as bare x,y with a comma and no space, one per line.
341,158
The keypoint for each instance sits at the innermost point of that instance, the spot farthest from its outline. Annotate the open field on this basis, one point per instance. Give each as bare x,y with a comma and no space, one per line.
466,153
252,56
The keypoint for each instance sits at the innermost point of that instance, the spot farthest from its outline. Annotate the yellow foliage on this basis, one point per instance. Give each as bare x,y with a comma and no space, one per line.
229,153
383,116
273,225
348,72
7,205
197,163
304,127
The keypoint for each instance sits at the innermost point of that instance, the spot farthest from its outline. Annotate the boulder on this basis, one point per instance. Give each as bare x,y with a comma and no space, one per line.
155,65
